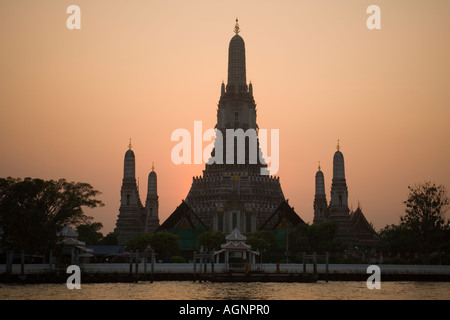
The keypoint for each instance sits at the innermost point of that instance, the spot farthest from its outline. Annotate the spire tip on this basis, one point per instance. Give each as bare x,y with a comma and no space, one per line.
236,27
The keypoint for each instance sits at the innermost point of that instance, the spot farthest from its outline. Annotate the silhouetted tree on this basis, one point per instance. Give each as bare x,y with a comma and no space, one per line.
90,233
33,211
425,216
262,240
317,238
110,239
164,243
211,240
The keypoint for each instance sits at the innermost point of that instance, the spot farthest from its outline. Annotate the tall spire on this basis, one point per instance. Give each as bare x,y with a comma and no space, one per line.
338,147
236,63
129,145
153,166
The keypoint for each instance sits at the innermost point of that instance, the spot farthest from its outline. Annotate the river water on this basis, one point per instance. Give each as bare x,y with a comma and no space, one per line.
186,290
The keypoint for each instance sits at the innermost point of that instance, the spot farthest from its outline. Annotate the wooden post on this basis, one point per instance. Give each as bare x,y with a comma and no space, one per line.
137,262
131,264
9,261
212,265
72,255
22,263
315,265
145,264
326,266
195,265
153,266
205,264
50,260
304,262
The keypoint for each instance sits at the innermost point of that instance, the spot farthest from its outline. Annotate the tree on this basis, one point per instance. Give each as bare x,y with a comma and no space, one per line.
139,243
425,216
164,243
110,239
262,240
33,211
317,238
397,239
211,240
90,233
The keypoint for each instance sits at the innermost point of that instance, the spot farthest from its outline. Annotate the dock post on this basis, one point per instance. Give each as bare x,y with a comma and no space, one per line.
9,261
195,265
212,265
137,262
22,262
304,262
153,266
315,265
205,265
326,265
131,264
145,264
50,260
72,255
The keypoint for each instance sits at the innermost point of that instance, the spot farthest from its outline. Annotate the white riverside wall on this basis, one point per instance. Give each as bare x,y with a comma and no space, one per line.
220,267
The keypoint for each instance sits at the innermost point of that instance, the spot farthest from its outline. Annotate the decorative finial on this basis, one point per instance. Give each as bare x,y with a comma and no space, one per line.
236,27
129,145
319,165
153,166
338,147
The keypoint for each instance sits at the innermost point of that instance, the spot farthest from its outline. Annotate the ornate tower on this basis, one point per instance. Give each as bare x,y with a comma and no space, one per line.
152,203
235,190
320,199
339,211
129,222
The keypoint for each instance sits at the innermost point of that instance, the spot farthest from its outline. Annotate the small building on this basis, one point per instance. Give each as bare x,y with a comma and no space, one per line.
73,250
237,253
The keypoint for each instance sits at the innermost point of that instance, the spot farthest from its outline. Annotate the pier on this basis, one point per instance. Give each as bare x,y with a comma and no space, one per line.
120,272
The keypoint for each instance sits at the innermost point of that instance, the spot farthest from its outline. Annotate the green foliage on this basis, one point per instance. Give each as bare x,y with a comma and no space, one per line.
110,239
397,239
139,243
264,241
90,233
425,219
177,259
211,240
164,243
33,211
317,238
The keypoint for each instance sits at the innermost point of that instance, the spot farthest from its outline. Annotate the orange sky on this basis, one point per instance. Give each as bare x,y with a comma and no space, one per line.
71,99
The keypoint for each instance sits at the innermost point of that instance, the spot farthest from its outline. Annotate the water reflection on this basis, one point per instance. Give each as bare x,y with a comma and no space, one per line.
185,290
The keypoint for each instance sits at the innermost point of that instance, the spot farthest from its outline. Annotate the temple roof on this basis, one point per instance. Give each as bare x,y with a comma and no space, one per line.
235,235
283,216
183,218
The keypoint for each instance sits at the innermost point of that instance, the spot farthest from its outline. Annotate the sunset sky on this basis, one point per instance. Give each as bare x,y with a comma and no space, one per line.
70,100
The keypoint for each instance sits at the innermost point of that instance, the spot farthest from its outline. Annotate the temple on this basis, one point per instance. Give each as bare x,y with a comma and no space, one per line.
353,227
235,192
135,219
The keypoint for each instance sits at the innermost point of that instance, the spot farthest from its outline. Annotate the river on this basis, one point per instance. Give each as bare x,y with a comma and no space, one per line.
186,290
